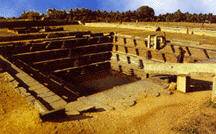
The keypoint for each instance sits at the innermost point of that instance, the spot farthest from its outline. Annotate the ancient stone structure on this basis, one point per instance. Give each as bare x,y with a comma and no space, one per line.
50,66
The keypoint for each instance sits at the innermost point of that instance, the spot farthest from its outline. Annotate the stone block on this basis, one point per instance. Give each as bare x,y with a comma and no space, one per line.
58,104
52,99
182,82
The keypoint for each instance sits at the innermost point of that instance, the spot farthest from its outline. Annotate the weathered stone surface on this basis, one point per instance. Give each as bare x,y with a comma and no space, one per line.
46,94
8,77
182,83
14,83
95,101
72,113
58,104
34,83
119,97
37,87
86,108
52,99
127,102
23,92
40,90
40,106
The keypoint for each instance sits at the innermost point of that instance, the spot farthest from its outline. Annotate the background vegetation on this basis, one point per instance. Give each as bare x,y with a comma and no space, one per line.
142,14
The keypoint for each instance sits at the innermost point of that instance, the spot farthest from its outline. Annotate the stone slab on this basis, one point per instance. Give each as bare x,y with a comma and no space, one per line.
52,99
41,90
58,104
46,94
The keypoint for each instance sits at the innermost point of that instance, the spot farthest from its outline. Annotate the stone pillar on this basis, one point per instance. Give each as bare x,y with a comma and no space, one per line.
155,42
149,42
214,90
182,83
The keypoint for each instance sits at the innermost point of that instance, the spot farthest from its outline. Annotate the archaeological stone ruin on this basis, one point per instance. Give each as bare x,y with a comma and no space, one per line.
59,70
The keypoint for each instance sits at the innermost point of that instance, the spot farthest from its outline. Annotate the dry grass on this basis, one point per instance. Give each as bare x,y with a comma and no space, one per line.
178,24
107,30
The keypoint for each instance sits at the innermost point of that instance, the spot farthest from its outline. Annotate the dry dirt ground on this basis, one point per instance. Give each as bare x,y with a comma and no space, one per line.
177,113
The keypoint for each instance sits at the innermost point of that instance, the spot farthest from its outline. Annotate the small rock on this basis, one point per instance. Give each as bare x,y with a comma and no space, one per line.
86,108
128,102
172,86
157,94
65,97
131,103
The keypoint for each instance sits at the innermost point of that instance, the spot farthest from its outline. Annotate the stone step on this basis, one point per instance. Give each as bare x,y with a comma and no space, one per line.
58,104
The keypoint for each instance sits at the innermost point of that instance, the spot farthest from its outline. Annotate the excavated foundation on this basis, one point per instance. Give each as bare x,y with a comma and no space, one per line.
58,68
66,68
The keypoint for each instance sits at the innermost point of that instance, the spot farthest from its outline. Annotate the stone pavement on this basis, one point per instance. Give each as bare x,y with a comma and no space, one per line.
117,98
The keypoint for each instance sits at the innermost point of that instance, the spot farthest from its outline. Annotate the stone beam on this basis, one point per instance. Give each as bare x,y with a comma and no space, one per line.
79,67
179,69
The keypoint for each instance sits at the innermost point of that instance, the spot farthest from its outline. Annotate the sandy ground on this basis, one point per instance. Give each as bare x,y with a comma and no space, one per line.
177,113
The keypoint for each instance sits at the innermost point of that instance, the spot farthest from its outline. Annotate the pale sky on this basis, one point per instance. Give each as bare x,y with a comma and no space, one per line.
9,8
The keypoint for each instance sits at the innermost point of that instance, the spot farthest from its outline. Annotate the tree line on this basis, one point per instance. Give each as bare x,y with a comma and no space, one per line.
143,13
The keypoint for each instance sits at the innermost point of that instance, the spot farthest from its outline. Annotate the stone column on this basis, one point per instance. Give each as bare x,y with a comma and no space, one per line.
182,83
214,90
155,42
149,42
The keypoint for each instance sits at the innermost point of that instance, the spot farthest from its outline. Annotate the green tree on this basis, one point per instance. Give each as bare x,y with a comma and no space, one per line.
145,13
33,15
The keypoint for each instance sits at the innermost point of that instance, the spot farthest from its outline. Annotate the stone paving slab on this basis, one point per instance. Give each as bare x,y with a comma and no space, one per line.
41,90
97,103
52,99
119,97
46,94
33,89
58,104
35,83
